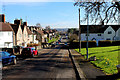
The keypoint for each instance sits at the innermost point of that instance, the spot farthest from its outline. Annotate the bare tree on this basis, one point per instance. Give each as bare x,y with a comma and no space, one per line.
102,12
47,27
38,25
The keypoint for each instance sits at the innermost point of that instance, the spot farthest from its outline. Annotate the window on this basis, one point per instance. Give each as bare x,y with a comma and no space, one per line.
109,32
1,34
25,35
8,33
7,54
86,34
3,54
108,39
19,35
99,34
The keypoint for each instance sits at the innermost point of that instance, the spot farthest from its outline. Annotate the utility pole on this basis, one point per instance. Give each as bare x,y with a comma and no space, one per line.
79,33
87,32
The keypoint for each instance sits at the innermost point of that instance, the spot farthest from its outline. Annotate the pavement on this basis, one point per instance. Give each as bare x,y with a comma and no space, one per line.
88,71
50,64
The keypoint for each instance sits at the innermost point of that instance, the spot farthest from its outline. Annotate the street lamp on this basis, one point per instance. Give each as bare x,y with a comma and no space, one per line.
80,28
79,32
87,31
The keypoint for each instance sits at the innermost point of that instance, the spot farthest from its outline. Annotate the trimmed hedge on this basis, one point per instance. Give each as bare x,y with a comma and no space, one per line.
116,43
105,43
93,44
32,45
83,44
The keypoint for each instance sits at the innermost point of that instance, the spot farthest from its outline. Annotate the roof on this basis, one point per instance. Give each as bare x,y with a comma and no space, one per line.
22,27
29,32
45,31
97,28
14,27
115,27
5,27
40,32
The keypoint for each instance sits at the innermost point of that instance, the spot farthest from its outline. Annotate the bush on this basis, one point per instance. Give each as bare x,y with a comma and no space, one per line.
105,43
115,43
32,45
83,44
90,44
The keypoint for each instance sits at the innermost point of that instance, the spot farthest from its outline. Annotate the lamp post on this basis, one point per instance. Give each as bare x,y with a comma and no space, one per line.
87,32
79,32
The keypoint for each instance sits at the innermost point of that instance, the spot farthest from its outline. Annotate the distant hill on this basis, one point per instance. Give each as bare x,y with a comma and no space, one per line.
62,29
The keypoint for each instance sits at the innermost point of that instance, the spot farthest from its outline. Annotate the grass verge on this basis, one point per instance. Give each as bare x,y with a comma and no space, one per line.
107,57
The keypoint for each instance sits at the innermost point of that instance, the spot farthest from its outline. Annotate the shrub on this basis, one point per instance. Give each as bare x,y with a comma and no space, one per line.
32,45
90,44
83,44
105,43
115,43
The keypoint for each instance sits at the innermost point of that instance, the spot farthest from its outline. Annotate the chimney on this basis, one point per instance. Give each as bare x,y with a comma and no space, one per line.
2,18
25,23
18,22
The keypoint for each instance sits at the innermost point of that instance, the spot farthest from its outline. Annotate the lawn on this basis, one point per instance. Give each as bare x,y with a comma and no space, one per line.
107,57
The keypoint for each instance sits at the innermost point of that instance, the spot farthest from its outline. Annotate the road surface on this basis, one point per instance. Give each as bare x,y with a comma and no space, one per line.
50,64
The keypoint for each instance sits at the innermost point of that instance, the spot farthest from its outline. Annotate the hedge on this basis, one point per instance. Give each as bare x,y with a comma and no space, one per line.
116,43
93,43
32,45
83,44
105,43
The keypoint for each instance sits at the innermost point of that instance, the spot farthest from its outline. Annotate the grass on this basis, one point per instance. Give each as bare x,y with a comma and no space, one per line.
107,57
53,40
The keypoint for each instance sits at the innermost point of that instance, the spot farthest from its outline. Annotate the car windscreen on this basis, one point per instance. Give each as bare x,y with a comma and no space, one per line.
26,49
0,56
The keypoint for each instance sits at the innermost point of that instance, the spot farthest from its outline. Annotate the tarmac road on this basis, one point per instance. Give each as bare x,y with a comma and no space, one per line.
50,64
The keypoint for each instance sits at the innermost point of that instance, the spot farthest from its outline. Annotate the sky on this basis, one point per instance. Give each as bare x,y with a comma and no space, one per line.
54,14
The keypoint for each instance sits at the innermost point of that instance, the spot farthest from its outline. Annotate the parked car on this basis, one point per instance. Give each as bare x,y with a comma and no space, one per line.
18,49
7,58
65,43
53,45
29,52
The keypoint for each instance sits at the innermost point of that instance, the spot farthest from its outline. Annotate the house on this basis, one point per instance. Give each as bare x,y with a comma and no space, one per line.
99,32
32,28
18,32
47,36
7,35
26,34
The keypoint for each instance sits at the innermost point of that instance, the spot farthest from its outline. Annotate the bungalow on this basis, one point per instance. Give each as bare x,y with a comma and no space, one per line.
7,35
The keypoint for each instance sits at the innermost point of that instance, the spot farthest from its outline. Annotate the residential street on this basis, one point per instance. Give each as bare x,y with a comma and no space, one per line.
49,64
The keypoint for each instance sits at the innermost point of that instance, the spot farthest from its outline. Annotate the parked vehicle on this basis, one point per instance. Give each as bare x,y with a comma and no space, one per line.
18,49
57,43
29,52
53,45
7,58
65,43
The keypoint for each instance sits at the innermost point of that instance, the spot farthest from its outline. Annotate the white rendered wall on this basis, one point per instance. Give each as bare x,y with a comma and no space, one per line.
6,36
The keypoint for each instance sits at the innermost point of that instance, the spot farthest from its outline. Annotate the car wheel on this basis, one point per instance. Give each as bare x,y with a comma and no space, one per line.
14,61
32,55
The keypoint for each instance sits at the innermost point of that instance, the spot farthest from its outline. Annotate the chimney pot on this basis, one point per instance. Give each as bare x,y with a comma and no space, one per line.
25,23
18,22
2,18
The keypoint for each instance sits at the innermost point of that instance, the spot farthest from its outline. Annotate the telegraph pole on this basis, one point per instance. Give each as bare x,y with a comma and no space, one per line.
79,33
87,32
